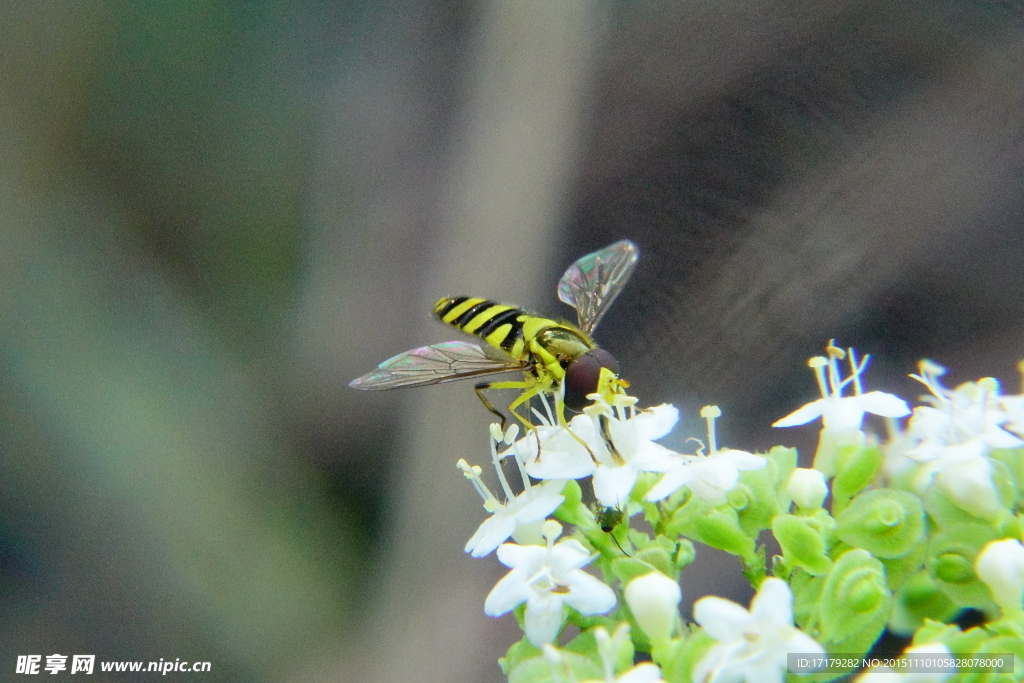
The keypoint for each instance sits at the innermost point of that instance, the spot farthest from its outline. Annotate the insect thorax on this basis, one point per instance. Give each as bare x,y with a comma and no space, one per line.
553,345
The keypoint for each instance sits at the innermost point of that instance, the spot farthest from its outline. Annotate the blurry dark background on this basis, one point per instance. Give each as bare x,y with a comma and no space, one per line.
213,215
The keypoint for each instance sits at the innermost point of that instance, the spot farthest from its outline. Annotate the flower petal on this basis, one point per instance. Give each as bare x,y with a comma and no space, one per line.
773,603
544,617
613,484
721,619
656,422
508,593
670,483
588,595
886,405
494,531
642,673
802,415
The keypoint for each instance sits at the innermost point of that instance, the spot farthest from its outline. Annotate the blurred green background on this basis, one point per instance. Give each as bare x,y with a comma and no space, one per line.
213,215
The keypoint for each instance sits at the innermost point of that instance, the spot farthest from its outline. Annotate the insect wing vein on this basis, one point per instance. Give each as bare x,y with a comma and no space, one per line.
434,364
591,284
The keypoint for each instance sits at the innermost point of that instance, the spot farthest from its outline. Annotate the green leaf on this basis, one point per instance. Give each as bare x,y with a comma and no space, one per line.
720,529
572,510
518,653
760,501
944,511
659,558
539,670
899,569
802,544
856,466
679,658
885,522
626,569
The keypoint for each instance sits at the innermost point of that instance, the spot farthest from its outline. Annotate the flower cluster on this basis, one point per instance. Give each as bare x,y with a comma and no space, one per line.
901,533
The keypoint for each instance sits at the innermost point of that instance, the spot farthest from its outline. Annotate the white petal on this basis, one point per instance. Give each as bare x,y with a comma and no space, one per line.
508,593
512,555
741,460
561,456
802,415
842,414
886,405
969,484
1000,565
670,483
493,532
799,641
656,422
542,503
1000,438
714,666
653,457
566,556
773,603
722,619
613,484
588,595
543,618
764,672
642,673
530,534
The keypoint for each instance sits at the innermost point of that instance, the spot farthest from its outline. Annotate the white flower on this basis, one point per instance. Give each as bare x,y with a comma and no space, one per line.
546,578
807,488
1000,564
971,414
521,516
709,477
954,436
840,413
654,601
619,444
752,646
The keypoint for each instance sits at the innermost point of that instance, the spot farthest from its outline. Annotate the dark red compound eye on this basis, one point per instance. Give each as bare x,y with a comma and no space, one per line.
582,375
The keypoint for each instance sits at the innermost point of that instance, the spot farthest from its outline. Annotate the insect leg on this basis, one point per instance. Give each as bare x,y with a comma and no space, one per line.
480,388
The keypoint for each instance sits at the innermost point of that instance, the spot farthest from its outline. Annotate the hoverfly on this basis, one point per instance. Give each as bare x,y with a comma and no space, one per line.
556,358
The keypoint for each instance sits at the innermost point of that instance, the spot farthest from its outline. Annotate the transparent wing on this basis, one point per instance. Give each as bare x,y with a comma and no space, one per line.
592,283
435,364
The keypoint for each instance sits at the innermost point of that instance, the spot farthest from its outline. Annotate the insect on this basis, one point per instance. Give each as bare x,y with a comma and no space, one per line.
556,358
607,519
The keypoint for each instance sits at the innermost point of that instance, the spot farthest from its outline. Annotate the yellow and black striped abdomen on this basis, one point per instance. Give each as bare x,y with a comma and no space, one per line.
497,324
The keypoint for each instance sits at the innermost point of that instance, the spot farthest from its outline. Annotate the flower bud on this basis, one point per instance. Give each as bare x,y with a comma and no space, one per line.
1000,565
807,488
654,600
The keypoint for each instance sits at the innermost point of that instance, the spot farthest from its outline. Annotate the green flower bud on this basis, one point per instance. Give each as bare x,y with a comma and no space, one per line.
885,522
